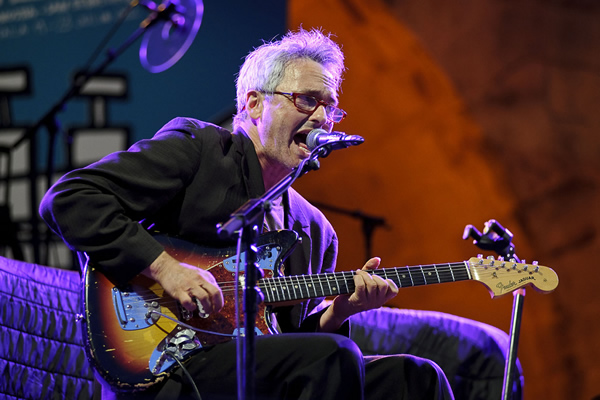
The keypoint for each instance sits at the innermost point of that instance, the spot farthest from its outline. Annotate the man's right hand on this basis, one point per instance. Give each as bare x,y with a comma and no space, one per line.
185,283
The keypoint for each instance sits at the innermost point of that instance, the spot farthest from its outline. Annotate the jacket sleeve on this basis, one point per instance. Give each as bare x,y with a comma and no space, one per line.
97,209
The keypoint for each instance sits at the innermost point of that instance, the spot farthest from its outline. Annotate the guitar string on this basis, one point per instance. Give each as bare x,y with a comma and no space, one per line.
284,282
287,281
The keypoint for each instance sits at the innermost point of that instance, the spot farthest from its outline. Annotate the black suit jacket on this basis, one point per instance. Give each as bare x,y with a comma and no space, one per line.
190,176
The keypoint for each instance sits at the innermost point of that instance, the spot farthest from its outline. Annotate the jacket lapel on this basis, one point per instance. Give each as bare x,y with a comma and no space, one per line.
250,165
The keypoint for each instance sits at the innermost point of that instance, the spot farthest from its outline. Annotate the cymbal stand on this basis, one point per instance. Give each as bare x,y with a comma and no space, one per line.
499,239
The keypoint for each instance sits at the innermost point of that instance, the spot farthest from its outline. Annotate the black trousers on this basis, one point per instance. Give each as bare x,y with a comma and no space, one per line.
305,366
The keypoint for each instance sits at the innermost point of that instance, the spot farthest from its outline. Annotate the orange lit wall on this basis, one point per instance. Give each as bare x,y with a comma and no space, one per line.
459,109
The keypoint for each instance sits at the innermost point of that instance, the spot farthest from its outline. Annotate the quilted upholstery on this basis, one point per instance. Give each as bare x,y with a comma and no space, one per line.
41,347
42,354
471,353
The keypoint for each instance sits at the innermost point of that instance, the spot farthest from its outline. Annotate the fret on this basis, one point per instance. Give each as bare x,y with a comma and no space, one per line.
467,270
289,288
299,286
304,286
423,275
461,272
291,292
263,285
397,281
445,273
417,275
346,281
430,274
385,270
310,285
284,289
405,278
327,279
320,285
336,289
437,273
382,273
273,290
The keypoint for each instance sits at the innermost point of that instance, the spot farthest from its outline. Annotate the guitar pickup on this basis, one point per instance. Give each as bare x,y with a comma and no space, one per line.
133,311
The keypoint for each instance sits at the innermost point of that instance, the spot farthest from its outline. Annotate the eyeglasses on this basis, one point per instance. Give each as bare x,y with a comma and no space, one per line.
308,104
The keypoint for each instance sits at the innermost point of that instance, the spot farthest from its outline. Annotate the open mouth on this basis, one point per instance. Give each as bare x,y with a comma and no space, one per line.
300,140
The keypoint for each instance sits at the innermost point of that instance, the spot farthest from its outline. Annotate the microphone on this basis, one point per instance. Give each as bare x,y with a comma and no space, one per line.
335,140
170,30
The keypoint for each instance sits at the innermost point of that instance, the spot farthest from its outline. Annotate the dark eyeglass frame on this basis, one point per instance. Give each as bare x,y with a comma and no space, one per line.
329,108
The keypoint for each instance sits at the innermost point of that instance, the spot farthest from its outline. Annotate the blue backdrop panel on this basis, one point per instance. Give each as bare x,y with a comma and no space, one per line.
55,38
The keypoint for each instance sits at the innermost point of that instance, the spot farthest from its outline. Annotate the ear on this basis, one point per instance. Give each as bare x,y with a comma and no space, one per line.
254,103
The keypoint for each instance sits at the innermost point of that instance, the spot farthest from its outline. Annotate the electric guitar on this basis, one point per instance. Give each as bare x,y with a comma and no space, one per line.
133,332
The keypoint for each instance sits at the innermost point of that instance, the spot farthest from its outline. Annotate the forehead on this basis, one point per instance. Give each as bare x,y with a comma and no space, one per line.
308,76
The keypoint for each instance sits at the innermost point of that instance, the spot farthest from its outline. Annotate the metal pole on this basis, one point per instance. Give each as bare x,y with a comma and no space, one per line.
511,357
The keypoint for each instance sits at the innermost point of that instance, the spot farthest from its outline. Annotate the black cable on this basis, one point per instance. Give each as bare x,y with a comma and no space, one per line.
185,371
110,34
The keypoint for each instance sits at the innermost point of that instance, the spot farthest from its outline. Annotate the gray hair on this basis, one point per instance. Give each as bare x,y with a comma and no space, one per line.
265,66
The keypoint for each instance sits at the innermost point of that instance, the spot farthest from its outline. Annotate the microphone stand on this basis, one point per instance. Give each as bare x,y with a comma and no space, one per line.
248,218
368,222
499,239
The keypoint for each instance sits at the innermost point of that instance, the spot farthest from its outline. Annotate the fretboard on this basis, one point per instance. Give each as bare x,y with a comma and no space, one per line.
299,287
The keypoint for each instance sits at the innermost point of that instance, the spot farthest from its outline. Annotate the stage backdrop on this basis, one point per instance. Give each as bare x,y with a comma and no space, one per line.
44,43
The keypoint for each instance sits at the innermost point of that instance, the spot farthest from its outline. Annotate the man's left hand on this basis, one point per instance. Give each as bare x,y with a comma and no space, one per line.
371,291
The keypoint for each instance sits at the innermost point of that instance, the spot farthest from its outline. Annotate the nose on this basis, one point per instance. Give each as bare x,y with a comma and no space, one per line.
320,117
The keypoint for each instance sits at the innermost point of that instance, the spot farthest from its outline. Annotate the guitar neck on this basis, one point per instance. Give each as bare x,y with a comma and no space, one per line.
299,287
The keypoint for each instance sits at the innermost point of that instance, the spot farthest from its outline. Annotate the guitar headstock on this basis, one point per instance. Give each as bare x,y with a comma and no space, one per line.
505,276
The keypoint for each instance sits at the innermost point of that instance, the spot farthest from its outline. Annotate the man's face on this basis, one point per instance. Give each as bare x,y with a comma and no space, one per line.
282,128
